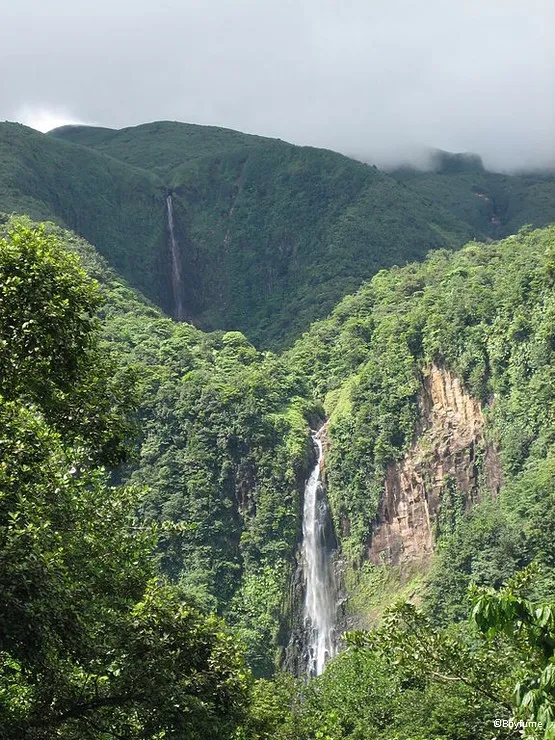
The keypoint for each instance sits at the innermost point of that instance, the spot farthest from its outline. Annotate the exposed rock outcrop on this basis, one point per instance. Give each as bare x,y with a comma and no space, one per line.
449,453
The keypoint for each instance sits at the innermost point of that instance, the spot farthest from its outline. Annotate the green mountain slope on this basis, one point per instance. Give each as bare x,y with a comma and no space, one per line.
492,204
272,235
269,235
162,146
117,207
485,314
280,234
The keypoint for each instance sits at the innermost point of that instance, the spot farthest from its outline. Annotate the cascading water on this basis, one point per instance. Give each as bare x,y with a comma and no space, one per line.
320,606
176,263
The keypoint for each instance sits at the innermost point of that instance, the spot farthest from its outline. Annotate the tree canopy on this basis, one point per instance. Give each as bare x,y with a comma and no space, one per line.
93,642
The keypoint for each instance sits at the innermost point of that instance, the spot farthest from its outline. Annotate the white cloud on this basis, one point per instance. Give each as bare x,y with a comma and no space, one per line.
42,119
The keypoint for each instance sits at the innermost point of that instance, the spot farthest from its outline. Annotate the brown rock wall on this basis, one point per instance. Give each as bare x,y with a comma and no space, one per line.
449,445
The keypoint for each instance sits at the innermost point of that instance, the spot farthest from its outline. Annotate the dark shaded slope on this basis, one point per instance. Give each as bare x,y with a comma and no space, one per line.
493,204
273,234
278,234
119,208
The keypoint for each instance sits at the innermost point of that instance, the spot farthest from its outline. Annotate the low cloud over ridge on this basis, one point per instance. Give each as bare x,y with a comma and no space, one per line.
380,80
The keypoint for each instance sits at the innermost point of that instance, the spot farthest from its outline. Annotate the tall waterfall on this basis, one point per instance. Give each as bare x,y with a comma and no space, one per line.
320,606
175,263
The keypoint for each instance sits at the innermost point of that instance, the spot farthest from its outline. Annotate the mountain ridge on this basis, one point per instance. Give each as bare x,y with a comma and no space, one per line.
270,235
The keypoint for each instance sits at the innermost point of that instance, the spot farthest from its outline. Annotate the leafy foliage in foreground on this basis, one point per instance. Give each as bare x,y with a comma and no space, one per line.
411,679
405,680
530,629
92,642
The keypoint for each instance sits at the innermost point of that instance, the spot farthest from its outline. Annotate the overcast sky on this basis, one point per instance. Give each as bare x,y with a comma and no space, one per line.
375,78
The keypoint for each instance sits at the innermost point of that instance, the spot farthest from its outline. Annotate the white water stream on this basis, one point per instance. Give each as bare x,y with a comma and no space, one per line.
176,263
320,607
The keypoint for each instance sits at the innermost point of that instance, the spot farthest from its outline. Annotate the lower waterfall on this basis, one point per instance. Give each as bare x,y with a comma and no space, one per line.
320,601
175,264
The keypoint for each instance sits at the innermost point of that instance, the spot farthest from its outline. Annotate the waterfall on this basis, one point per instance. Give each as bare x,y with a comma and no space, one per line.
320,606
175,263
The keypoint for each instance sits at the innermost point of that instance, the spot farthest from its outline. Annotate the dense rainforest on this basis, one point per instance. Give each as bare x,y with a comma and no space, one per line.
270,235
152,472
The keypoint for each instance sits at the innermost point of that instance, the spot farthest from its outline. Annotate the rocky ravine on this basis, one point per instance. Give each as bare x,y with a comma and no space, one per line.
449,450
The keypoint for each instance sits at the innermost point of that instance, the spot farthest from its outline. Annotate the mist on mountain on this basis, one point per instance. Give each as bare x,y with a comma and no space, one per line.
380,81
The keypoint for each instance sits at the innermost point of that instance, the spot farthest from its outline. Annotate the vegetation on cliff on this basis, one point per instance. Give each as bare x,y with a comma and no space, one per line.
485,312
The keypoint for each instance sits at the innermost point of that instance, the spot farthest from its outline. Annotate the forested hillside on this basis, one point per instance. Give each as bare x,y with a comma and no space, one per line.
269,236
484,312
486,315
94,641
492,204
116,207
107,575
220,448
153,472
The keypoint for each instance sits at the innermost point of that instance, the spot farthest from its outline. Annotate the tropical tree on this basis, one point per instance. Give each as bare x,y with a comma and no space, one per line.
92,643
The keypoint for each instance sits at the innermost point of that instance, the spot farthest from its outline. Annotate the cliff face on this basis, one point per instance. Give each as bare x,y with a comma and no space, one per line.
449,453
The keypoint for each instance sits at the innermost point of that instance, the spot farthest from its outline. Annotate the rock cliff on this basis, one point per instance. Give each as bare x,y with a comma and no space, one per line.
449,453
